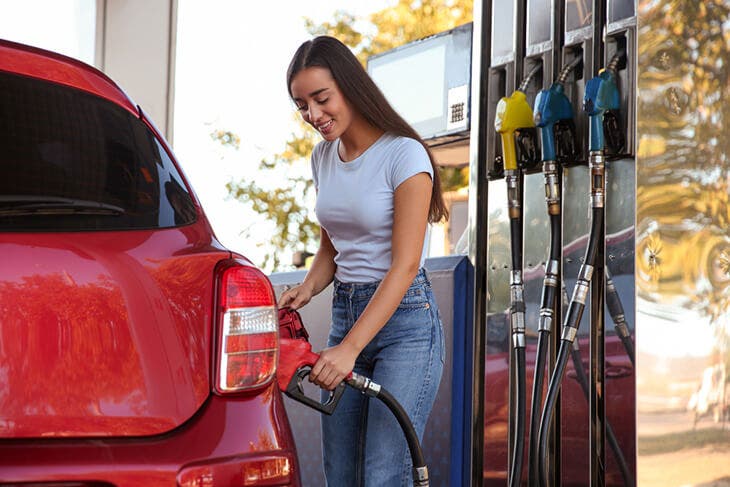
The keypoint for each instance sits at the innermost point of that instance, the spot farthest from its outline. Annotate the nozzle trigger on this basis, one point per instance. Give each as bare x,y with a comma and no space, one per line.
295,390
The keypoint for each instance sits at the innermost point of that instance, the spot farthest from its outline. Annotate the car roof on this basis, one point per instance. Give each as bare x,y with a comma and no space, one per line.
57,68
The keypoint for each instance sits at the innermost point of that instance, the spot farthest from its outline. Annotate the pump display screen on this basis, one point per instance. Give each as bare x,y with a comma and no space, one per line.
578,14
503,26
620,10
538,21
414,83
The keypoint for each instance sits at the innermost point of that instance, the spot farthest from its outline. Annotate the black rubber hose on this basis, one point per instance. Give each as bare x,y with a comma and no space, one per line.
548,302
519,442
572,321
515,228
543,338
582,378
593,243
410,432
548,408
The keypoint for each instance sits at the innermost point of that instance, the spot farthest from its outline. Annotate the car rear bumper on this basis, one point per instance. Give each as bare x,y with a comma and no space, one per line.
230,441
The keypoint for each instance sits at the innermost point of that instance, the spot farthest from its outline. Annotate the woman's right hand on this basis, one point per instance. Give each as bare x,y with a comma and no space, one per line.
296,297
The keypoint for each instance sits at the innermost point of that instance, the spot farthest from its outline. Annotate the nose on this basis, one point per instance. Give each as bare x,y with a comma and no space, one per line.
313,113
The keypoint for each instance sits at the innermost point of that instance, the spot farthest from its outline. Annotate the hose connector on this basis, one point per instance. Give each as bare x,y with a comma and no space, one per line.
597,165
552,187
550,287
363,384
517,309
420,477
615,308
514,192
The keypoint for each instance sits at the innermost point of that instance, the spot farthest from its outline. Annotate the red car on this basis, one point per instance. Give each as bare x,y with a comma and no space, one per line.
134,348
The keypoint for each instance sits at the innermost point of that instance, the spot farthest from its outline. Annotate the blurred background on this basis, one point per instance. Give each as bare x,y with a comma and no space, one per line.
211,75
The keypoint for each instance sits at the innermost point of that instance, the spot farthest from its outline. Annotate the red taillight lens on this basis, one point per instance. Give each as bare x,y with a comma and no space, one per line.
248,329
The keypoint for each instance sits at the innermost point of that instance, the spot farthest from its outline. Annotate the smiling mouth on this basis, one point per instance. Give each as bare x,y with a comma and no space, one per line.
326,126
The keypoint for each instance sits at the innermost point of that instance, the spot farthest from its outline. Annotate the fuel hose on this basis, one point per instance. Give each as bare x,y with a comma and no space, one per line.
370,388
551,107
570,329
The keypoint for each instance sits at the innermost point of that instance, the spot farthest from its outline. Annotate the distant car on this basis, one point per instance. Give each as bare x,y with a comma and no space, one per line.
134,348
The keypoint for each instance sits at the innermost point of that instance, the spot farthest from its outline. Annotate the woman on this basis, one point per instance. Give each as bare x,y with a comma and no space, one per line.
377,189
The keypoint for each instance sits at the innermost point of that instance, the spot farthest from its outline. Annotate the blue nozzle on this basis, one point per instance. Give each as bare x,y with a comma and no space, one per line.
601,95
551,106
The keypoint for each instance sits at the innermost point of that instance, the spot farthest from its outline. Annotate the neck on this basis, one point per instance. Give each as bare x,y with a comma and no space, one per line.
357,139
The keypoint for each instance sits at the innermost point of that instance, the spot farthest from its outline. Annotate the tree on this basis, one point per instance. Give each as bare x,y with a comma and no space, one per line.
289,205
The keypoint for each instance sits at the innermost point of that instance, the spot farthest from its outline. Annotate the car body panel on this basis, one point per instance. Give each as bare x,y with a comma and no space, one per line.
105,333
244,428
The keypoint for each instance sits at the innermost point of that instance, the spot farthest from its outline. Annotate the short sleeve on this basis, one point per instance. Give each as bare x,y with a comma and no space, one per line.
409,159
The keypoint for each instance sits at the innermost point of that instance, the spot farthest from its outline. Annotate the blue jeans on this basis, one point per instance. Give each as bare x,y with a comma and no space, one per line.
363,445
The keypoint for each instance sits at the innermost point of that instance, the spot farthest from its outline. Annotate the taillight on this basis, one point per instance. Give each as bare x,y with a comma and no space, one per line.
248,329
260,470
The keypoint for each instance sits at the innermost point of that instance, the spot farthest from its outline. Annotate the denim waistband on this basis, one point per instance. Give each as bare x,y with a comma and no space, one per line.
368,288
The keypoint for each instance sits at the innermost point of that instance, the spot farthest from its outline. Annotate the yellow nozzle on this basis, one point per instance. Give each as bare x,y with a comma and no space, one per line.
513,113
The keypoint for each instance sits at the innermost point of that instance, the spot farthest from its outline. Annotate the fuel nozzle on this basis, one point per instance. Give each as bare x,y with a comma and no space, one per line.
554,118
602,103
514,122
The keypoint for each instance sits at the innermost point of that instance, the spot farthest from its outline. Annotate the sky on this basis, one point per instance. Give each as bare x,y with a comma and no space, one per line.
231,60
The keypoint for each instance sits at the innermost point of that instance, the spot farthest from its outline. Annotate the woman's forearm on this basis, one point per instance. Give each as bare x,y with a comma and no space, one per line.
322,271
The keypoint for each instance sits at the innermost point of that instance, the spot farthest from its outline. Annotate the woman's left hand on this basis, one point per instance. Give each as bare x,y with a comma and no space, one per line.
334,364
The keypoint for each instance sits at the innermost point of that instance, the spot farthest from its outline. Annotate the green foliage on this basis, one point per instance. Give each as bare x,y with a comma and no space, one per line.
453,178
294,227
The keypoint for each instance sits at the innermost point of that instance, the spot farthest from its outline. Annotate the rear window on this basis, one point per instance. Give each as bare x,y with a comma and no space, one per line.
71,161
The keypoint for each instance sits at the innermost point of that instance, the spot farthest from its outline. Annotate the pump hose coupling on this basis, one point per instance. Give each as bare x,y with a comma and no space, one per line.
420,477
550,286
597,164
363,384
615,308
517,309
577,303
552,188
512,176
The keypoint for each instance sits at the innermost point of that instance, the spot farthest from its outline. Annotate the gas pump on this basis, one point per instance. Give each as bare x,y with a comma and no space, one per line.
650,218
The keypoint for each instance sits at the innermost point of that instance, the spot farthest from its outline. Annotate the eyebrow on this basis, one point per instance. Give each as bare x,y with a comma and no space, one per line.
313,94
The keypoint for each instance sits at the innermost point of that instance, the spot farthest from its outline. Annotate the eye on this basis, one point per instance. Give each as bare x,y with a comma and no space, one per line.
322,102
301,107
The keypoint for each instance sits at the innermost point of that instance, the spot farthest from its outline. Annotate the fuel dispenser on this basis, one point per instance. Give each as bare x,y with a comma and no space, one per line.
603,173
568,140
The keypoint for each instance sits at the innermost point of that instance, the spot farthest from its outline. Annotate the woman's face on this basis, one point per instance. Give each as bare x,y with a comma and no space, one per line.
321,103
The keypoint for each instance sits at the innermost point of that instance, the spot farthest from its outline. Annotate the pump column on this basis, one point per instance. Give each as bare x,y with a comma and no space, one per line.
501,75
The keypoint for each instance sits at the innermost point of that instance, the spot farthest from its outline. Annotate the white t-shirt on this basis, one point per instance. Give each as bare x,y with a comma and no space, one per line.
355,201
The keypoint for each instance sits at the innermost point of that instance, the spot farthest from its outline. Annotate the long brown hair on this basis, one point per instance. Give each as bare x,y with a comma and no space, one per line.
364,95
